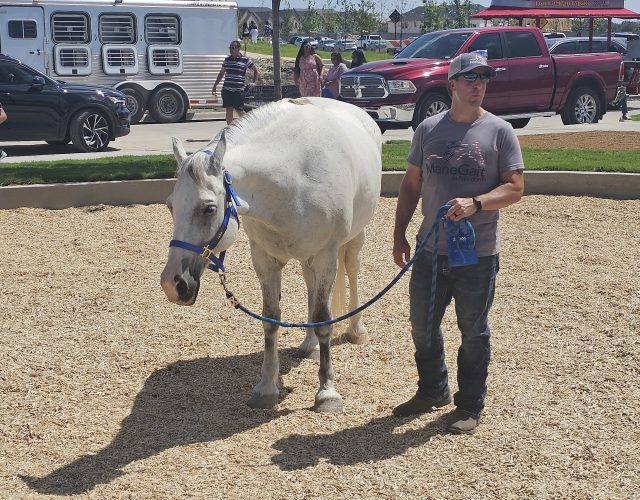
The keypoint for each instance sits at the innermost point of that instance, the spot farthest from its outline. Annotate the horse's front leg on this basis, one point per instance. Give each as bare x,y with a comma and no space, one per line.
320,274
269,271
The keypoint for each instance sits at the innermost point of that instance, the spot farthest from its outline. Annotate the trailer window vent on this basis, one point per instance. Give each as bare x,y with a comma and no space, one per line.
165,60
162,29
22,28
119,59
70,28
72,60
117,28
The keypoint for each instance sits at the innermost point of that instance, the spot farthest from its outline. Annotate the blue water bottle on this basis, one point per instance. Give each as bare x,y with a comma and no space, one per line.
461,243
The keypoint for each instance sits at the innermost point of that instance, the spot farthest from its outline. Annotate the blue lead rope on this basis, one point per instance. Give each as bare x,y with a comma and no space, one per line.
434,266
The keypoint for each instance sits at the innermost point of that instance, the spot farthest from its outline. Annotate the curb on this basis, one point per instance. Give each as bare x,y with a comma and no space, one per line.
59,196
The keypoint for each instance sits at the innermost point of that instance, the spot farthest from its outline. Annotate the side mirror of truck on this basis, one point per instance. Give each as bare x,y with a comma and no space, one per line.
37,83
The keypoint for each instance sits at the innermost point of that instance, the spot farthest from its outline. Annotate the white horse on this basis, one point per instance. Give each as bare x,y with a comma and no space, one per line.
307,174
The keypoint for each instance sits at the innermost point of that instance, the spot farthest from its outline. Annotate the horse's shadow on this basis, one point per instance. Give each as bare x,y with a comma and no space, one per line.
187,402
371,442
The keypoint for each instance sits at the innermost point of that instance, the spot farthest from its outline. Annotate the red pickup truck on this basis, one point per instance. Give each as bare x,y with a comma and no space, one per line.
403,91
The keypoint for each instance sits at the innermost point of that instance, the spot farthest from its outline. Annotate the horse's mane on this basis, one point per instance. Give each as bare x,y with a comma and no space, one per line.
238,131
236,134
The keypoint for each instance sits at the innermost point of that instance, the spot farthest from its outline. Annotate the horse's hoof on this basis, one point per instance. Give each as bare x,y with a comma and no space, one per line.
329,406
353,338
328,402
313,354
264,402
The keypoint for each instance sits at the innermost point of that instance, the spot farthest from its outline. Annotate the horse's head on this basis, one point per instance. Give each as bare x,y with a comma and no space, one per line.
198,205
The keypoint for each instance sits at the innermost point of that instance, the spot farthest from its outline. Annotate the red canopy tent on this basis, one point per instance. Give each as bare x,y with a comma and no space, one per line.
547,9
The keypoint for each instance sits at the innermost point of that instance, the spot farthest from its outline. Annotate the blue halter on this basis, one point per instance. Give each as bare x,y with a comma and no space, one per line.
215,263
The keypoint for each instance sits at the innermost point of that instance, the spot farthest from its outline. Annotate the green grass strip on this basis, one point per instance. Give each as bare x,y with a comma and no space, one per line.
288,50
116,168
394,157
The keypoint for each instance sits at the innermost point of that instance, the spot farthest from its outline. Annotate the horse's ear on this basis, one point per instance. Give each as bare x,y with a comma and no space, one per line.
215,164
178,151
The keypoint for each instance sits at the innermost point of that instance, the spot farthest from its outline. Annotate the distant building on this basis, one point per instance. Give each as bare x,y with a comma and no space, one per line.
413,21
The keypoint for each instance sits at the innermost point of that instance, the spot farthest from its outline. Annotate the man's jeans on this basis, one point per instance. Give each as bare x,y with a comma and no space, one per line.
473,288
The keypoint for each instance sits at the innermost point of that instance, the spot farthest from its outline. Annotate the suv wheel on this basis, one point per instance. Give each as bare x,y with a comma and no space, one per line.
90,131
167,105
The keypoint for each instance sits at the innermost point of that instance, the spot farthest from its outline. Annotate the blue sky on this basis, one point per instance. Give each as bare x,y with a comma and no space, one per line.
389,5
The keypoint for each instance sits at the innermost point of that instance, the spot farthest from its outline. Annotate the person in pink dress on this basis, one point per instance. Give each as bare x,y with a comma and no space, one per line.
332,80
307,72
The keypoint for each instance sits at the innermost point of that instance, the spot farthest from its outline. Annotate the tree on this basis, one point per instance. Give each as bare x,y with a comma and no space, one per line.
275,44
311,19
364,17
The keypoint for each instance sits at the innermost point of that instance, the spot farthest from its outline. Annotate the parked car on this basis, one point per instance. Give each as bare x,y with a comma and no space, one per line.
555,34
377,45
627,36
530,82
327,44
344,46
580,45
312,41
42,109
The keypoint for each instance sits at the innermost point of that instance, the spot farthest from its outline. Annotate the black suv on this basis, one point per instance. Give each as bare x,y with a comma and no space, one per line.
41,109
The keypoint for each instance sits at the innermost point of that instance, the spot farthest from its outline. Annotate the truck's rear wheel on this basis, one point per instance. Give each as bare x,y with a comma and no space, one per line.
167,105
430,105
583,106
135,103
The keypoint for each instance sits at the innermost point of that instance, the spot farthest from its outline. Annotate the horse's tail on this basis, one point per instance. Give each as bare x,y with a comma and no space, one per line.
338,300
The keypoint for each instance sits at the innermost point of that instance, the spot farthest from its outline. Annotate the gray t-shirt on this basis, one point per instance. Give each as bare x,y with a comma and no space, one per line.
462,160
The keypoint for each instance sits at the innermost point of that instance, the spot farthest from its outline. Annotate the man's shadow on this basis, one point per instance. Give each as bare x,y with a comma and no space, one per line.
371,442
187,402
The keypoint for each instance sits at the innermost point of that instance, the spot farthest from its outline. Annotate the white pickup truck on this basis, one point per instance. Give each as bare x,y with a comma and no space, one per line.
369,41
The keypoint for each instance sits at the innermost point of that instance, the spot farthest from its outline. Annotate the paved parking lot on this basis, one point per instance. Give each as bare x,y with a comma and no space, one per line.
153,138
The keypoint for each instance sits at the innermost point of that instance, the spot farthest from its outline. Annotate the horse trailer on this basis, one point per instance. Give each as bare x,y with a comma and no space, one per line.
163,54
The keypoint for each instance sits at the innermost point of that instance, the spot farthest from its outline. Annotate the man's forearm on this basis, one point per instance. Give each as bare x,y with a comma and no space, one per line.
505,194
408,198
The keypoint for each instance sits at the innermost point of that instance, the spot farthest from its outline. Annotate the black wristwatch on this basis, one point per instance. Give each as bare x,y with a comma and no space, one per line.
477,203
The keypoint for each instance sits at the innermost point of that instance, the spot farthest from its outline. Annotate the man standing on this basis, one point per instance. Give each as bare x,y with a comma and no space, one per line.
470,159
235,68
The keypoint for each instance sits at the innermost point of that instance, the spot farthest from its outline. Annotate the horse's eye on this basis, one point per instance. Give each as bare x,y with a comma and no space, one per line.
209,209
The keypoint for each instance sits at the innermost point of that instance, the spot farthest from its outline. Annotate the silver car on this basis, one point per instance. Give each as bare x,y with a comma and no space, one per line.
344,46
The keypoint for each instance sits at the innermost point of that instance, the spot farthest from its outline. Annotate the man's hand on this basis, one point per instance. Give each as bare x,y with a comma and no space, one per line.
461,208
251,84
401,250
214,91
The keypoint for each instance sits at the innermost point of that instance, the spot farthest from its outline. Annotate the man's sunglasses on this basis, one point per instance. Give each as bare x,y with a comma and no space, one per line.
234,47
472,77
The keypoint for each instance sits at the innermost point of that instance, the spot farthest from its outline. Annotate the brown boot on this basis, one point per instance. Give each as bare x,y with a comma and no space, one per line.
421,404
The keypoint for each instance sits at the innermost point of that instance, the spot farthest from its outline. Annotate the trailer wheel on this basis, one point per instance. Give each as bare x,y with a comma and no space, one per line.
135,103
431,104
167,105
583,106
519,123
89,131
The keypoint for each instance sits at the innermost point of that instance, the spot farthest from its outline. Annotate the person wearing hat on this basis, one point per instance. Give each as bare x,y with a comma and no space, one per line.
469,159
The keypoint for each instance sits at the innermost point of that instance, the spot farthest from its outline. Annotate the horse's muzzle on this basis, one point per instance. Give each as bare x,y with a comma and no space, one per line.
180,289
